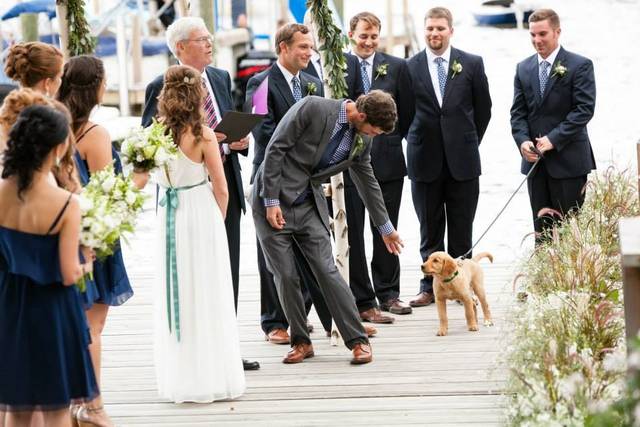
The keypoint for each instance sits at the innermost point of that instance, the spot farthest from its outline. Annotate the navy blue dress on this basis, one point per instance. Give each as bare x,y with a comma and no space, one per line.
110,283
44,337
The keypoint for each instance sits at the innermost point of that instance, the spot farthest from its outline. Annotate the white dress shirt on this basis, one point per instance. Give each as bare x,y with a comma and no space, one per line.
433,69
289,77
550,59
368,67
316,60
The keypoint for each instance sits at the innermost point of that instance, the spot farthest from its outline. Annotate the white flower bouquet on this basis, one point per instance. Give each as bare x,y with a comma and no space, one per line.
109,205
148,148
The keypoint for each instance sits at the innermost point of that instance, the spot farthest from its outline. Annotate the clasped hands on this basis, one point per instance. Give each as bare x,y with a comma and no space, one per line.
543,144
243,144
392,241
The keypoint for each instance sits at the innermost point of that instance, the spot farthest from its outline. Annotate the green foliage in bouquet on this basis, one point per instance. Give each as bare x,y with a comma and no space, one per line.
149,148
109,204
566,347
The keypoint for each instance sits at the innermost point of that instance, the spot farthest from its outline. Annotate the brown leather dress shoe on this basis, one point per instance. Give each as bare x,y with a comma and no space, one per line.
278,336
298,353
361,354
374,315
423,299
370,330
395,306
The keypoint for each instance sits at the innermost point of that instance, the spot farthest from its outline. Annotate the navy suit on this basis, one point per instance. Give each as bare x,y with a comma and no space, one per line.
221,85
562,114
389,167
279,100
443,158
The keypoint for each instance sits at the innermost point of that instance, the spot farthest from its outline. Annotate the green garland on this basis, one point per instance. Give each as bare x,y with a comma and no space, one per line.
80,39
332,43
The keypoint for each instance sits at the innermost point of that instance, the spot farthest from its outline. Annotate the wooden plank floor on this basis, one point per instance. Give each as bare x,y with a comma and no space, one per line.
416,378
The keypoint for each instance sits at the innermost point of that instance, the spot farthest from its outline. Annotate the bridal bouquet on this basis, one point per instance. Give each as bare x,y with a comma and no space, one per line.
109,205
149,148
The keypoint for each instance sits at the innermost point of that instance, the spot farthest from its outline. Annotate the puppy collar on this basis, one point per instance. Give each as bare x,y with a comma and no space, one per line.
449,279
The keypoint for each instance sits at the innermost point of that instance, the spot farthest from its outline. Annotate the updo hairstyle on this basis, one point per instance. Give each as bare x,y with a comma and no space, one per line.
38,130
32,62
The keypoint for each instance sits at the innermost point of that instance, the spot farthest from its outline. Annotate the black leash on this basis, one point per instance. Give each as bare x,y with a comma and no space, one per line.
540,156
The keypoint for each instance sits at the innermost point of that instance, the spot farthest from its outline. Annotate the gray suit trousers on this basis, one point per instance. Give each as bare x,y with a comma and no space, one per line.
304,225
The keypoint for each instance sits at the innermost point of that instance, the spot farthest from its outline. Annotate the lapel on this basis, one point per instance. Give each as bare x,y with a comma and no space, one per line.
218,91
281,85
378,60
455,56
560,57
329,124
423,72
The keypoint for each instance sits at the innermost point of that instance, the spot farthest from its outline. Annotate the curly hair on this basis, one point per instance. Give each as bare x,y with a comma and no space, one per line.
17,100
180,102
81,80
29,63
380,109
37,131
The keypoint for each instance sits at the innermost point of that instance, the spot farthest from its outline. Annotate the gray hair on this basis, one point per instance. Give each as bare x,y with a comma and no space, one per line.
181,29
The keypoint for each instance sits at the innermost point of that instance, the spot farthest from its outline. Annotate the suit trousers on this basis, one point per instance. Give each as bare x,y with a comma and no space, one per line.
444,204
305,227
232,225
385,267
563,195
272,315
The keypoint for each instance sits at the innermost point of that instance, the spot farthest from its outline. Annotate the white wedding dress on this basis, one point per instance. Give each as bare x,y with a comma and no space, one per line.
203,364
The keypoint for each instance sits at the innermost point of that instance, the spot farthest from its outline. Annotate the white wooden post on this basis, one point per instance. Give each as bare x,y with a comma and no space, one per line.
63,27
121,49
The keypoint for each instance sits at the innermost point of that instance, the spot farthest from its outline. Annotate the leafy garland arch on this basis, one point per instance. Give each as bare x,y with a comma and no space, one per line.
80,39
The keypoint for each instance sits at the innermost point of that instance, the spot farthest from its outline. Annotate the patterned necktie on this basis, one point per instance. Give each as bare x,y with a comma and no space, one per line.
210,114
297,91
442,75
544,76
366,83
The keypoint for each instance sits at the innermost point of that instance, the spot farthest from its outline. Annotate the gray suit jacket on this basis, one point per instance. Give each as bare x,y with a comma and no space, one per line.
297,146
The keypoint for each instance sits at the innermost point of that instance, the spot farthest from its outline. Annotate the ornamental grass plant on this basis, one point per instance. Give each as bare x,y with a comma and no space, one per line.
565,342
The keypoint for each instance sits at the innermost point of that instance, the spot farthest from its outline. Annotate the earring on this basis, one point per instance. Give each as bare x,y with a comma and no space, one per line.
57,161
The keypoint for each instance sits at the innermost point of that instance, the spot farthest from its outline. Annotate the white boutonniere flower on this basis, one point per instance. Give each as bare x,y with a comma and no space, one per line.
381,70
456,68
559,70
311,88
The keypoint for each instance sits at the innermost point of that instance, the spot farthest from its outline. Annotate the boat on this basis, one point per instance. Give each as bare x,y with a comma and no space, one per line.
503,14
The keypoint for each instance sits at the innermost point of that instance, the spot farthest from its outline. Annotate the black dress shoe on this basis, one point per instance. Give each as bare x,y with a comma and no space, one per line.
249,365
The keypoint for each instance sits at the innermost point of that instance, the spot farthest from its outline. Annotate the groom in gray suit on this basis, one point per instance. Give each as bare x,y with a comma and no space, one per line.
316,139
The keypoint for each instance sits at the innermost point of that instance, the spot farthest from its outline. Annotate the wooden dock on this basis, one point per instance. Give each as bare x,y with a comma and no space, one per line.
416,378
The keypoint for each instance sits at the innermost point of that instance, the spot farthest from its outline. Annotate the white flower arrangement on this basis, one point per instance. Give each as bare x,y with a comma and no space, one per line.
109,204
149,148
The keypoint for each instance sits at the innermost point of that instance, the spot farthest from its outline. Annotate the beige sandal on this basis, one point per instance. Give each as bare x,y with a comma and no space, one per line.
89,417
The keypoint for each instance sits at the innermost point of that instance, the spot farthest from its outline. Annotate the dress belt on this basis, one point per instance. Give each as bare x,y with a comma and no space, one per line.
170,200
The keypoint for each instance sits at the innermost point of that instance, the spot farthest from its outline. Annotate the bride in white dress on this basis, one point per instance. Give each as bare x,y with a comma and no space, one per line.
197,350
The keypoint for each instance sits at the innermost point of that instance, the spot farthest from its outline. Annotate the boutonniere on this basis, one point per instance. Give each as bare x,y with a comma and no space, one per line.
456,68
559,70
381,70
311,88
358,145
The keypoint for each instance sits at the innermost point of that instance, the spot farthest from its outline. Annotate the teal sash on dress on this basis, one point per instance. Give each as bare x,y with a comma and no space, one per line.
170,200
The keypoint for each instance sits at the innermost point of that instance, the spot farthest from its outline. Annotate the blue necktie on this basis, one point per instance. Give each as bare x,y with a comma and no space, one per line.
544,76
297,91
442,75
365,76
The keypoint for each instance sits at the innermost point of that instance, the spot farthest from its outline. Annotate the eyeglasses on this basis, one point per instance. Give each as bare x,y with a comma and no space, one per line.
203,39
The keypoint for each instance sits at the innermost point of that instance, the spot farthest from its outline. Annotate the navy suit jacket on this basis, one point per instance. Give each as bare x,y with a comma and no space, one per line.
562,113
453,132
221,85
387,157
279,100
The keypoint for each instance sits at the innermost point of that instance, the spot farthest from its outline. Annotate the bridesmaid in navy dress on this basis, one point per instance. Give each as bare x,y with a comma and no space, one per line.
83,86
45,363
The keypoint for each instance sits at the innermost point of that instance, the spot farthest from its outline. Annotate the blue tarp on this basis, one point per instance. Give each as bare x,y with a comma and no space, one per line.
32,6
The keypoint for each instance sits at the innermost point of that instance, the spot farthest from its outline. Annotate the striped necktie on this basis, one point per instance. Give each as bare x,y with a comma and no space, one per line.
210,115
